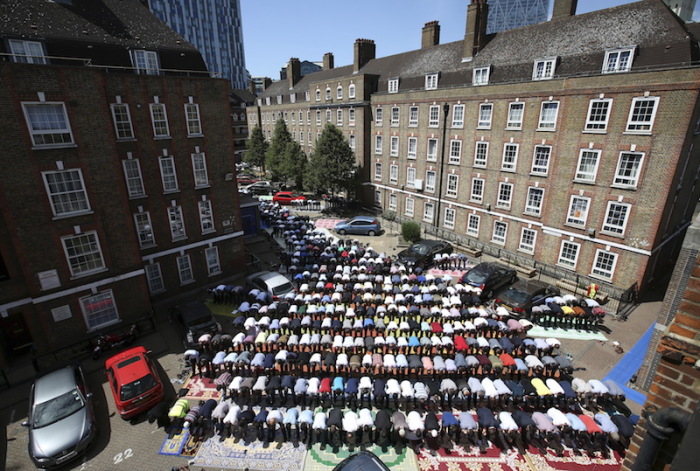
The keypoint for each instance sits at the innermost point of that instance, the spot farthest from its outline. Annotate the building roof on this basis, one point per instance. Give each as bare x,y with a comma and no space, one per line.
579,42
118,22
238,96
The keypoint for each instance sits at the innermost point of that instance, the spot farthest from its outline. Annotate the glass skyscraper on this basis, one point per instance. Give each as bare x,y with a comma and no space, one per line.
509,14
212,26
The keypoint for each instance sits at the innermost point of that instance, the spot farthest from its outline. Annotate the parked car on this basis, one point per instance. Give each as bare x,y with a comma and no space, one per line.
519,298
274,284
61,420
363,225
198,320
489,277
421,254
258,188
134,381
246,179
361,461
286,197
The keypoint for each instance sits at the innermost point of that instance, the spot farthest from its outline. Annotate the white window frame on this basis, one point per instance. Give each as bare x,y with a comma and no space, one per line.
211,255
507,166
318,117
168,174
496,236
184,269
458,116
393,85
328,94
379,116
378,144
351,140
452,188
645,126
339,117
121,116
27,52
412,149
66,192
544,69
413,114
106,314
392,201
88,253
206,216
428,212
194,124
597,269
394,146
528,239
199,170
434,116
351,91
409,206
159,125
505,195
624,178
473,224
49,134
351,116
515,122
534,209
430,175
144,229
474,195
318,94
393,173
154,277
339,92
582,175
448,220
395,116
596,121
618,60
546,123
455,151
145,62
538,168
481,149
328,116
564,259
431,81
377,198
176,223
485,116
480,76
133,178
378,171
410,177
577,214
616,217
431,146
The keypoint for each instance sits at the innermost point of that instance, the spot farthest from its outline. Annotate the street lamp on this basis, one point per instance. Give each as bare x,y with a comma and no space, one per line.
445,111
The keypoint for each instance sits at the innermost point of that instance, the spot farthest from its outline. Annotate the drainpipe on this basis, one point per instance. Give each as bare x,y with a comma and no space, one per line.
445,111
660,426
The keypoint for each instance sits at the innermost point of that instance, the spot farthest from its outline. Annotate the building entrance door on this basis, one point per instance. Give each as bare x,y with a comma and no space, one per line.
15,330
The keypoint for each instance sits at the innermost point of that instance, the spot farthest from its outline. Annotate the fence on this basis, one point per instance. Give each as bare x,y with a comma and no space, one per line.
620,302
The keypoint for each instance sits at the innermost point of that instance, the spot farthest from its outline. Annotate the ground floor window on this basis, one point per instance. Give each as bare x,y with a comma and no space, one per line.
155,278
184,268
99,309
213,264
568,254
449,222
604,265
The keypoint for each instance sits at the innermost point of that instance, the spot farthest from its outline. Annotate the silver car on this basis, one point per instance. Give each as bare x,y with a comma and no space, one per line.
61,420
274,284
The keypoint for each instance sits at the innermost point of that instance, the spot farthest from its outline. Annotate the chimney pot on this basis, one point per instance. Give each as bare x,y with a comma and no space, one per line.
564,8
430,35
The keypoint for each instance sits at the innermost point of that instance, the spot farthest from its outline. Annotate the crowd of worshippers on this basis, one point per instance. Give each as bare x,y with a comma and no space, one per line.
367,351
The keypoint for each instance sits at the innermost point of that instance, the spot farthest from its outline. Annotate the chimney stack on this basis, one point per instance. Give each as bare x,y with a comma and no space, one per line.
251,87
475,35
364,52
564,8
430,35
328,61
293,72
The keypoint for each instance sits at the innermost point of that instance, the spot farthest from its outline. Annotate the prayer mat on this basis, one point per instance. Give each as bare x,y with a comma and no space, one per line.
190,448
327,223
201,389
574,334
253,456
323,460
173,446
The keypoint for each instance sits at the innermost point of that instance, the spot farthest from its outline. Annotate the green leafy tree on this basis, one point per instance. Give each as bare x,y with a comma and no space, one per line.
294,164
257,148
274,158
332,166
410,231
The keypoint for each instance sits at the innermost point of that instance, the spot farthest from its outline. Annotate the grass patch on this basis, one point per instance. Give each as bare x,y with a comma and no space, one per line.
221,309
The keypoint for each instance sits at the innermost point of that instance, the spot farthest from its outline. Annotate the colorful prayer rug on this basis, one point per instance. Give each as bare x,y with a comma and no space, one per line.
201,389
323,460
253,456
173,446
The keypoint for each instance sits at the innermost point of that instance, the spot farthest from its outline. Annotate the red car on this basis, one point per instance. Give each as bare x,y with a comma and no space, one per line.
134,382
286,197
245,179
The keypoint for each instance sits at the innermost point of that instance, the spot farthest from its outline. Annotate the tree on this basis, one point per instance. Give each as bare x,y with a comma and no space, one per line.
274,158
410,231
294,163
332,165
257,148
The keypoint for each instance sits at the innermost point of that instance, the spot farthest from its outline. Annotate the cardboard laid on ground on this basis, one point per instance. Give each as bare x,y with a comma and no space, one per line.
573,334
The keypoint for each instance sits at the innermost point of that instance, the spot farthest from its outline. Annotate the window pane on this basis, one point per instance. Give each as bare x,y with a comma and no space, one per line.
66,192
99,309
83,253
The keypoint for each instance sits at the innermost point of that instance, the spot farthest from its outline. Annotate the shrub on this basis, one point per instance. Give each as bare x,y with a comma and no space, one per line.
410,231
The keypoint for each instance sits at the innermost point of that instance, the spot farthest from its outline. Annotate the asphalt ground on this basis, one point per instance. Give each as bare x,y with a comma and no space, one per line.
131,445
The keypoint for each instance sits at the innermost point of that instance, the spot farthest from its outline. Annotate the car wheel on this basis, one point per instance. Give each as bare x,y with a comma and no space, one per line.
371,233
342,232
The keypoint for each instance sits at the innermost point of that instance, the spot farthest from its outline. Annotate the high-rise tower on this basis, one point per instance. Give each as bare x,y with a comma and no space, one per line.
509,14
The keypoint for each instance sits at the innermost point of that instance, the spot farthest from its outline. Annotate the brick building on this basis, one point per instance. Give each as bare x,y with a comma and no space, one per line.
570,145
118,186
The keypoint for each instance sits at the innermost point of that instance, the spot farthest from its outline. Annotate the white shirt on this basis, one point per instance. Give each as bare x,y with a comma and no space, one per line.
392,387
235,383
558,417
415,421
489,388
406,389
507,422
314,384
319,421
232,415
365,381
350,422
365,418
554,386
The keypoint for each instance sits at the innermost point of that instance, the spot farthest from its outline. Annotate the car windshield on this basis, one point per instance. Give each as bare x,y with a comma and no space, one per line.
281,289
57,408
420,249
515,296
476,276
138,387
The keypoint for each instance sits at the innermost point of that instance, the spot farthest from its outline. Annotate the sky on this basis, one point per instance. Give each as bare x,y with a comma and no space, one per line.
275,30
